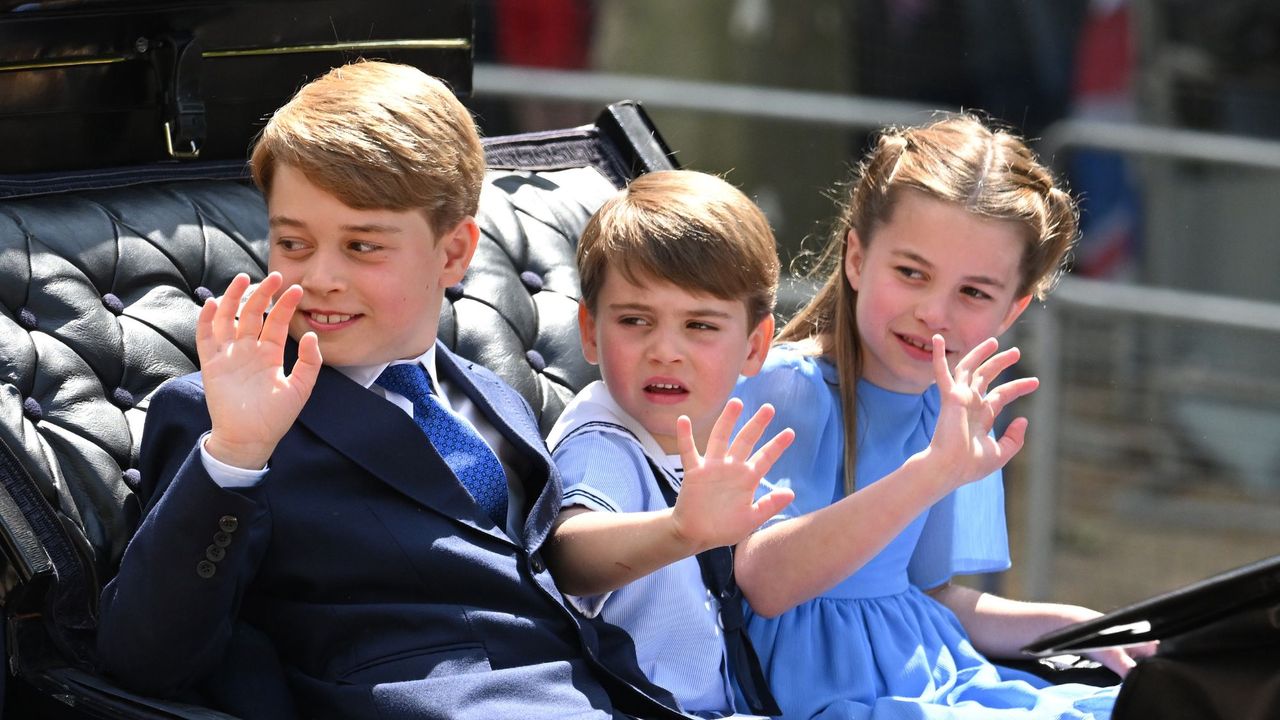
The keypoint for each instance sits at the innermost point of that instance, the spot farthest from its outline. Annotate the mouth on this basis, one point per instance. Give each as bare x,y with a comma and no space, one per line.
922,347
665,391
328,320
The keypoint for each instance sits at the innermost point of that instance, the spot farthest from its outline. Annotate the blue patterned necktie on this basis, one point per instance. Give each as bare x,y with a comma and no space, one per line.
462,448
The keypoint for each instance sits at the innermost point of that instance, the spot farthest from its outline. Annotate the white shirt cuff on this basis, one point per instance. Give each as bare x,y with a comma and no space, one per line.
228,476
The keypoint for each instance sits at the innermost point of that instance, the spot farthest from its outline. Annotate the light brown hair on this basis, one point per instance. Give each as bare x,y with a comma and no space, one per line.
691,229
378,135
957,159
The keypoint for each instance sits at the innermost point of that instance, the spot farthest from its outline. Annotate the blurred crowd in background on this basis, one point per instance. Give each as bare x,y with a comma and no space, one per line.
1210,66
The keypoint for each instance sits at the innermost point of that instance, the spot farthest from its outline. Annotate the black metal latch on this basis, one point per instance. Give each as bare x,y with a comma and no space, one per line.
178,62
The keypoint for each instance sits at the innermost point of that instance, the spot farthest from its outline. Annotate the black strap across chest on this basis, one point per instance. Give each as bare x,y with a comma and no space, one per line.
717,574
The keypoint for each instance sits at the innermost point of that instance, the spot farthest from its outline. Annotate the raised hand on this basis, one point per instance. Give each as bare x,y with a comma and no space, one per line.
251,401
716,505
962,441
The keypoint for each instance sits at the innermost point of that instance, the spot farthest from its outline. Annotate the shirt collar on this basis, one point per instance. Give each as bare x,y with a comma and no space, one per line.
365,375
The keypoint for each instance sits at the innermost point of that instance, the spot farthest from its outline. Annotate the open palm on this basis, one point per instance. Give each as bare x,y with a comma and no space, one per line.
716,505
968,412
252,403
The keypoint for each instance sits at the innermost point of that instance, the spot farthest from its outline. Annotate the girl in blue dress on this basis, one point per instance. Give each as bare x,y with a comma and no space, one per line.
886,377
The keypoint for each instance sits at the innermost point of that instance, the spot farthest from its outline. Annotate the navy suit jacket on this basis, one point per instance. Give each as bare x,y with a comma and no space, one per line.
382,587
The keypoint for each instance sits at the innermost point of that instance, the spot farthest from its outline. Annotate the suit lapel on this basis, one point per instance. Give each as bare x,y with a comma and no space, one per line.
502,408
389,445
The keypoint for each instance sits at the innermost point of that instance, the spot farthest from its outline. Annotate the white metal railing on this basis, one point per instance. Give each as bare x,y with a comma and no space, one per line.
740,100
1045,346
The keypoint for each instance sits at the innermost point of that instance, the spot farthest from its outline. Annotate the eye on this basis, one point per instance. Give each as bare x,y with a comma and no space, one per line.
288,244
699,325
362,247
975,293
634,320
909,272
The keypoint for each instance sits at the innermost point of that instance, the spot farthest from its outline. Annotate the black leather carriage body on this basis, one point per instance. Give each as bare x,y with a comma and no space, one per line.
102,271
1219,652
99,83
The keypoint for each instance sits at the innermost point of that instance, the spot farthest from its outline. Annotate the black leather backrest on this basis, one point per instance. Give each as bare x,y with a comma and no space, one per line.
99,294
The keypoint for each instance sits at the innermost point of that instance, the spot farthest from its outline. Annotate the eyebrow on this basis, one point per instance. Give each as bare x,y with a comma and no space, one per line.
641,307
366,228
974,279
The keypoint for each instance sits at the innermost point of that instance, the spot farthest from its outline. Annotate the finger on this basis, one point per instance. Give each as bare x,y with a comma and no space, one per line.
1013,439
1118,661
771,504
249,323
718,441
1006,393
1146,649
224,320
205,344
684,443
769,453
991,368
975,357
276,327
307,368
751,432
941,372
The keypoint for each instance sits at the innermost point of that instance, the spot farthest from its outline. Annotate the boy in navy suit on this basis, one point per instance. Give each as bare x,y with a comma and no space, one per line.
335,486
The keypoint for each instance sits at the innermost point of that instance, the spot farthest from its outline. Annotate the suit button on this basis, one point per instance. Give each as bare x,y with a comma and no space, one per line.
221,539
536,563
228,523
215,553
206,569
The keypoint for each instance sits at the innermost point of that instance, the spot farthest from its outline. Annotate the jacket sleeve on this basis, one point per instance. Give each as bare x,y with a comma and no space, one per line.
166,619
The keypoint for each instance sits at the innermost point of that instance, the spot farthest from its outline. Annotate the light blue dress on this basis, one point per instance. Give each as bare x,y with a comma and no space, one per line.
876,646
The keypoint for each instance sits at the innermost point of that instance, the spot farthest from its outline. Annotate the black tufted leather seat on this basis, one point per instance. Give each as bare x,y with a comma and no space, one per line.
100,289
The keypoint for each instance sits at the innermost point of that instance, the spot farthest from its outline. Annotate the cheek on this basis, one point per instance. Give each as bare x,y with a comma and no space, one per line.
614,356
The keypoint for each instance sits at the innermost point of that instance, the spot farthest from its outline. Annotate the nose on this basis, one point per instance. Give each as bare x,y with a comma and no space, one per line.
322,273
934,310
664,346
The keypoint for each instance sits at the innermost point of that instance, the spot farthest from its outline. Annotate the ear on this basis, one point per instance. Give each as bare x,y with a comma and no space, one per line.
587,331
459,245
1014,311
854,254
758,343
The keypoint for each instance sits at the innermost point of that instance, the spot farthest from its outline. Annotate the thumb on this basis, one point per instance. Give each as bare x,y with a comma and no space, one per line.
769,505
307,368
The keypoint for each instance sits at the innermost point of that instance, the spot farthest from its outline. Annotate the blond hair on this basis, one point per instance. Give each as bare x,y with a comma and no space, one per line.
693,230
378,135
957,159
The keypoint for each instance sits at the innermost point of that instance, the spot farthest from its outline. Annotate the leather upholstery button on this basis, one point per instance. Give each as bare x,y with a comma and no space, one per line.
532,281
123,398
31,408
228,523
453,293
202,294
206,569
27,320
221,539
132,477
536,361
113,303
215,553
